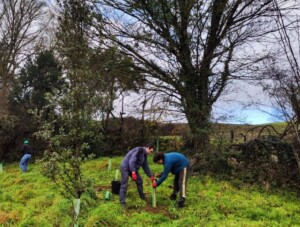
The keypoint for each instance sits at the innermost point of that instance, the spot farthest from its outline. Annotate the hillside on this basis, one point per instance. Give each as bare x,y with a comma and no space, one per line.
32,200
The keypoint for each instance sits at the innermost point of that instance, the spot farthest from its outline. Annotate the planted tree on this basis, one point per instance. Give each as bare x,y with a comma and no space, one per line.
70,133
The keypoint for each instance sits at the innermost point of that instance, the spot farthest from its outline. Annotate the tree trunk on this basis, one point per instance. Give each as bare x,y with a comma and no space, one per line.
198,115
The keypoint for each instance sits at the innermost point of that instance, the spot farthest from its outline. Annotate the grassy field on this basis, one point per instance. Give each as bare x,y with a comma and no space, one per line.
32,200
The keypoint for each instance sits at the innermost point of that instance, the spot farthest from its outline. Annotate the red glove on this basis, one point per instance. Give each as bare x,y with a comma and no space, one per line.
154,184
133,176
152,178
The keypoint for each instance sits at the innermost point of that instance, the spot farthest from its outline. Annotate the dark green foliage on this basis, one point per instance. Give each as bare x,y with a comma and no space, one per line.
264,161
38,78
8,138
115,71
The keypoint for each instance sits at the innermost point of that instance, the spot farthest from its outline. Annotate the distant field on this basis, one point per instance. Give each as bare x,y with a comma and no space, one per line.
31,200
248,132
227,133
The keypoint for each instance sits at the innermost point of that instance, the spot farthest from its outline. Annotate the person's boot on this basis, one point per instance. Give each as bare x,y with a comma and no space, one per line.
142,196
124,206
173,196
181,202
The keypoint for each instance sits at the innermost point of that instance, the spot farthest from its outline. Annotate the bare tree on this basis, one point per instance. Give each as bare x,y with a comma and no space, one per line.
283,72
192,49
19,28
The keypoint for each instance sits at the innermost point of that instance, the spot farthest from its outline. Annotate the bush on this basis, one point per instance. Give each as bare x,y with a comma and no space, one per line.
8,138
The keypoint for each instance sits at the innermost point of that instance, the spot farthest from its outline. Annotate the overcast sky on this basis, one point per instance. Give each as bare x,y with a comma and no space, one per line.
247,104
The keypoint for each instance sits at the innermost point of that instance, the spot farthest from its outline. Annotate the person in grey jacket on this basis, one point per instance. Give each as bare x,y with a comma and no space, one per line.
134,159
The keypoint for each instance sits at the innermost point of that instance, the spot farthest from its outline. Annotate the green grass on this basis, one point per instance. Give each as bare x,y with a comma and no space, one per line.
32,200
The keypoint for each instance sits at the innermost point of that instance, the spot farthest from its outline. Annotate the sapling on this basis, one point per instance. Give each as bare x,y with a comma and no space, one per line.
116,174
109,165
154,197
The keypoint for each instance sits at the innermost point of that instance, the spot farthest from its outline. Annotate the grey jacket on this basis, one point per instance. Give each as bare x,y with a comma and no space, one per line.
136,158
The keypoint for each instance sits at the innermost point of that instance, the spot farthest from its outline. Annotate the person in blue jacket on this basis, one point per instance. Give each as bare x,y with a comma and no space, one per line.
134,159
26,152
178,165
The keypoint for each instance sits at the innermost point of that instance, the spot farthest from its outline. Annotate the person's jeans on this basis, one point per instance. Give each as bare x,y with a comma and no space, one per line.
24,162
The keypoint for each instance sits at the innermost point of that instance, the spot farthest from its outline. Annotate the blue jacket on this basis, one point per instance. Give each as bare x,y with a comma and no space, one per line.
174,162
136,158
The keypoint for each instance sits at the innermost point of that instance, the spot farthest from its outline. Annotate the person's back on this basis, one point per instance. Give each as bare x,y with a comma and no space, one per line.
175,161
178,165
26,149
134,159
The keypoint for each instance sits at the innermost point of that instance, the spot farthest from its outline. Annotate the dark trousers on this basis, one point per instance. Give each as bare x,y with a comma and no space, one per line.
180,183
125,173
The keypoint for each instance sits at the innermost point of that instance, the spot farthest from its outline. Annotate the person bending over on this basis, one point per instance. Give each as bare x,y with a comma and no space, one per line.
178,165
134,159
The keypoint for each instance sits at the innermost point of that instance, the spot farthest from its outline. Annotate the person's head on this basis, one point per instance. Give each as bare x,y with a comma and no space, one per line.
149,148
26,141
159,158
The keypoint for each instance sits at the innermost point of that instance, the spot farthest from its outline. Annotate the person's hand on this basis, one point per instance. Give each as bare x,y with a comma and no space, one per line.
158,175
152,178
133,176
154,184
